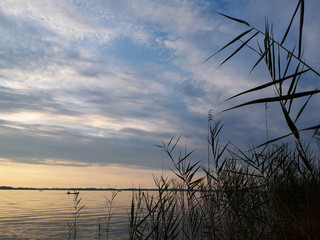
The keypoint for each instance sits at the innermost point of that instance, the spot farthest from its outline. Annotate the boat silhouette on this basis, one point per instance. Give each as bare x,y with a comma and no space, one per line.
72,192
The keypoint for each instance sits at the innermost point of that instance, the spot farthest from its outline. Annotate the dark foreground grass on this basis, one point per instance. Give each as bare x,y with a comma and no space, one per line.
269,194
266,194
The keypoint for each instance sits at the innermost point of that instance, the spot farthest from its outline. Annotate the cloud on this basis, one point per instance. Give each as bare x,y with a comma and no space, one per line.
67,20
102,82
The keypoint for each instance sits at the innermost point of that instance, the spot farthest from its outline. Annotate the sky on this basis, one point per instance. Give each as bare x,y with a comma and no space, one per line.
89,88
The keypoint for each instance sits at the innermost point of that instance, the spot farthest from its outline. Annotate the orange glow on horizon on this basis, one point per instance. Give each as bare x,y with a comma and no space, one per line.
62,176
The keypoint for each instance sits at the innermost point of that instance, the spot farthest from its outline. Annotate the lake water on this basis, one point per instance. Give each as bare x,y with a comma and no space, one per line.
34,214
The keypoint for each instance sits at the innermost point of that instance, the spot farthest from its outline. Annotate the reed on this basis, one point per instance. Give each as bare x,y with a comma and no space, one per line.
103,228
109,205
266,194
269,192
76,213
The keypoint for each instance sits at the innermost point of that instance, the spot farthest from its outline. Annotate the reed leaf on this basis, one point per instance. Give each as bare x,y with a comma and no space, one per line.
289,58
230,43
239,48
235,19
273,57
132,215
290,123
185,157
275,99
293,81
289,26
262,56
302,108
301,27
315,127
268,84
277,43
303,156
279,68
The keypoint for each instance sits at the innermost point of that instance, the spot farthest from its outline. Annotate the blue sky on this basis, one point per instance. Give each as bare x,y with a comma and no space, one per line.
92,84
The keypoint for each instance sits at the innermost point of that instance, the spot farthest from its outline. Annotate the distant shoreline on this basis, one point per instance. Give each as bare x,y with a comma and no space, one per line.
96,189
78,189
86,189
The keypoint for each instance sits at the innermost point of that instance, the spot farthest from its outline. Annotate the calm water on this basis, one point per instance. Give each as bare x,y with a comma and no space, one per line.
33,214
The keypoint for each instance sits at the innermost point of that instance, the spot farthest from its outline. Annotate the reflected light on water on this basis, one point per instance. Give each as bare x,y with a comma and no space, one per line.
35,215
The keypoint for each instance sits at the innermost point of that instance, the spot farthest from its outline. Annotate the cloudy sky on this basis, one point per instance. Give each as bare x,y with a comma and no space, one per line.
87,88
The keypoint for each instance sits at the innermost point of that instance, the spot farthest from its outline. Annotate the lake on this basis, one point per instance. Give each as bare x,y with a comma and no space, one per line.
34,214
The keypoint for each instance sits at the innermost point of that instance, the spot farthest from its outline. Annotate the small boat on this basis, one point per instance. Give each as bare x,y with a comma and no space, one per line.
72,192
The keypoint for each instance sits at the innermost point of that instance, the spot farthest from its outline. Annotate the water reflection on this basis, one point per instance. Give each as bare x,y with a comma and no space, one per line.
33,214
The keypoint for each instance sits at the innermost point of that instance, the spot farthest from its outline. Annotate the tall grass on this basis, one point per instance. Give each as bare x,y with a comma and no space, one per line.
103,228
266,194
110,205
76,213
269,192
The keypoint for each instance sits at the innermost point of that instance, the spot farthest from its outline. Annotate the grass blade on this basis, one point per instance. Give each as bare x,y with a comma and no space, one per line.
288,29
301,26
275,99
268,84
259,60
231,42
302,108
242,45
293,80
235,19
316,127
290,123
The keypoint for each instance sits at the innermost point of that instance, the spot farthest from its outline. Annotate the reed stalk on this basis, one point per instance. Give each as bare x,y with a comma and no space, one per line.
76,213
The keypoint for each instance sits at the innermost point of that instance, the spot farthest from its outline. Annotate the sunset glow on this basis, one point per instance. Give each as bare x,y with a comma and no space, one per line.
51,174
